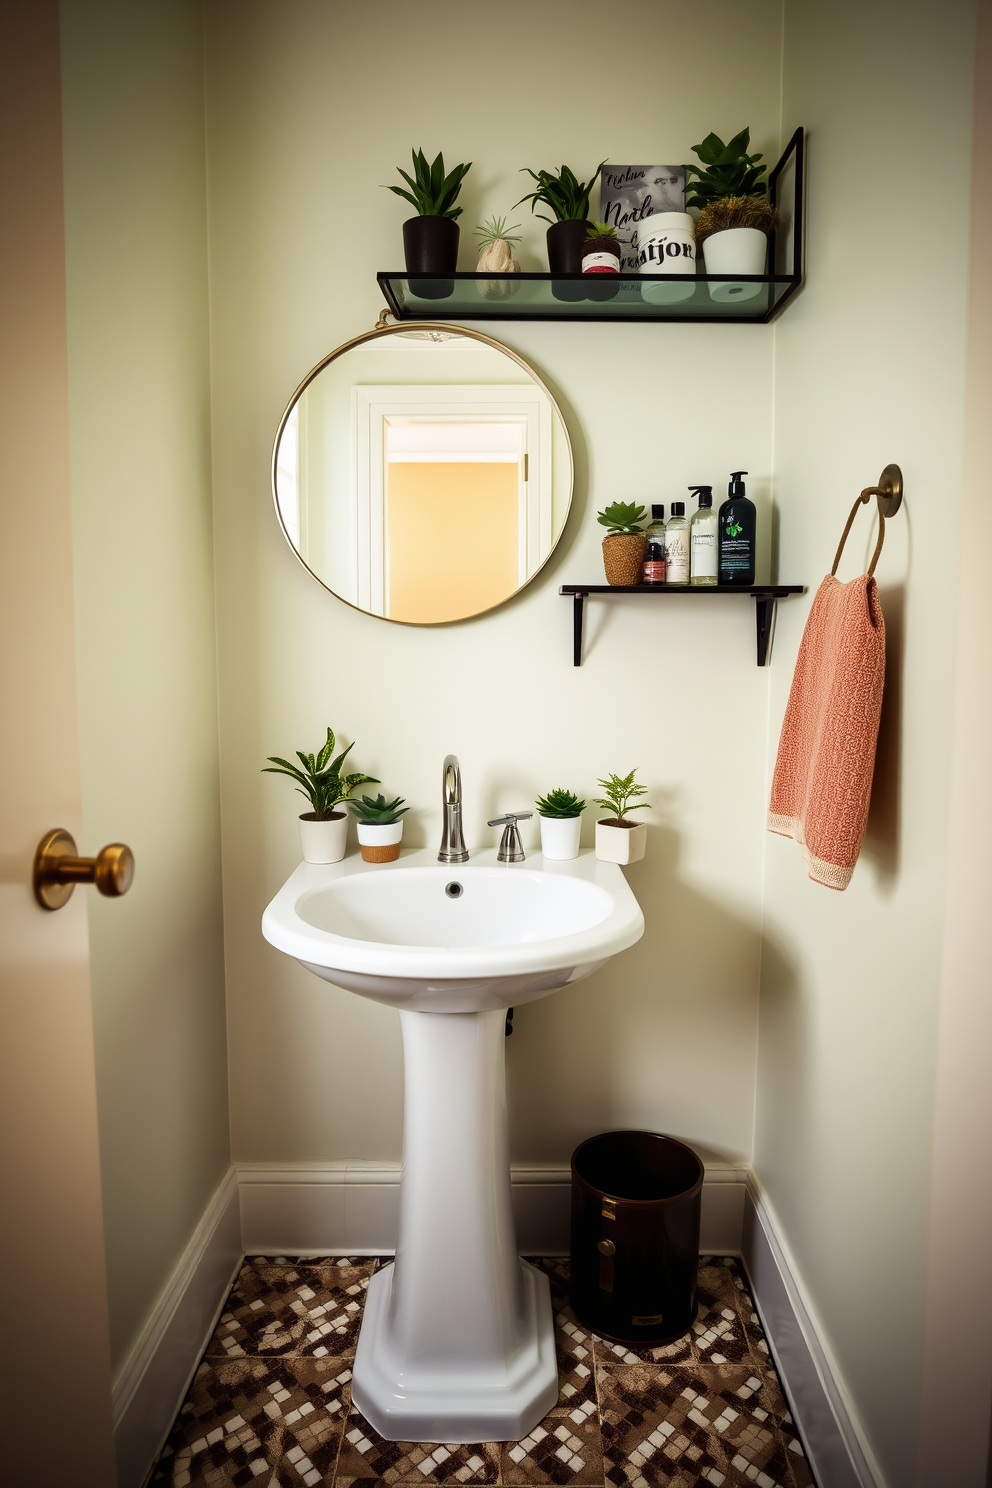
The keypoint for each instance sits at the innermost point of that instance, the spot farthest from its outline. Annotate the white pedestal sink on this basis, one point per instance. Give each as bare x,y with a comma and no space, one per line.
457,1341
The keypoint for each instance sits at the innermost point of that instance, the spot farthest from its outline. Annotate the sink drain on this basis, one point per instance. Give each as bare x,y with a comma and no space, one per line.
454,890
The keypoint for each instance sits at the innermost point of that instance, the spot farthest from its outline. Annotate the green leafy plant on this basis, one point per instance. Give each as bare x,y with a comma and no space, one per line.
495,230
564,193
431,191
620,791
320,779
560,804
380,812
622,518
600,230
728,170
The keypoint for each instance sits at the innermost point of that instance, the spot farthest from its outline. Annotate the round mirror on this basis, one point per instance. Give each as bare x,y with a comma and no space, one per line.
422,474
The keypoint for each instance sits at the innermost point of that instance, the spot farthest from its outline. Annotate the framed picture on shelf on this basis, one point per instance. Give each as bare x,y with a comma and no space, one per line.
629,193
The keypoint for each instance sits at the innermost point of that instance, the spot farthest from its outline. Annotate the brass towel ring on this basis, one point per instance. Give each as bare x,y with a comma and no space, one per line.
889,494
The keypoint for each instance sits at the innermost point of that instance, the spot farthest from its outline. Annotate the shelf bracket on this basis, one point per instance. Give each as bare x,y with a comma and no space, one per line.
578,613
764,614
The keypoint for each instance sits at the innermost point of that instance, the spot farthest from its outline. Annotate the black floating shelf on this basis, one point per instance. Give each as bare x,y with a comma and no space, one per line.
764,596
745,299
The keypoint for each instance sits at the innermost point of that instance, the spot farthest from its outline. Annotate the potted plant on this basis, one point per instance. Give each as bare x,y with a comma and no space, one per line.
560,812
568,199
380,830
496,257
430,240
734,219
624,544
601,256
619,840
324,829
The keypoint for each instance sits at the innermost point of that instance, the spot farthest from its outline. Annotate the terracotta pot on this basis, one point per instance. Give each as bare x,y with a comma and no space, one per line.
620,842
324,841
380,844
623,554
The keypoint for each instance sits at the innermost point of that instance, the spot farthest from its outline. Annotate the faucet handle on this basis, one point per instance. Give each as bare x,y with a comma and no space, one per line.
510,847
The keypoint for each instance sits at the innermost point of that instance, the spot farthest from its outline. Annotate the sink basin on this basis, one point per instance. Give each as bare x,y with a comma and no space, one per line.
420,935
457,1339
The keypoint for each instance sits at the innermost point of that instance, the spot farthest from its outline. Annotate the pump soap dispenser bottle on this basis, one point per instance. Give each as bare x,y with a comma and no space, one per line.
703,539
737,529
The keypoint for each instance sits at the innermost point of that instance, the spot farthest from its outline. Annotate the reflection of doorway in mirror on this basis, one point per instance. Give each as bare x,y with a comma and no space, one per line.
455,516
439,570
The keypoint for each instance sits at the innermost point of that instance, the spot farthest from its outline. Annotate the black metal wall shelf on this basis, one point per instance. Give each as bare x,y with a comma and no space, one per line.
744,299
764,596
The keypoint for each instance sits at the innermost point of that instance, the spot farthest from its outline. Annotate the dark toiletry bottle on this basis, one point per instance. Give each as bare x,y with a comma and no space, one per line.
737,524
653,567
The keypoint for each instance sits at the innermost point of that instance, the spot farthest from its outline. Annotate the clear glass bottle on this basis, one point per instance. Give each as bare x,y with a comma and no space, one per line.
655,530
677,546
704,545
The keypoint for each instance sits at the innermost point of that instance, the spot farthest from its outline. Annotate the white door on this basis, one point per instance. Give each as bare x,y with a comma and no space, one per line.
56,1356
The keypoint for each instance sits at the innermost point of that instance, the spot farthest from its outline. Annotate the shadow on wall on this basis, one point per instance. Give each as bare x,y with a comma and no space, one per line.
882,834
599,1056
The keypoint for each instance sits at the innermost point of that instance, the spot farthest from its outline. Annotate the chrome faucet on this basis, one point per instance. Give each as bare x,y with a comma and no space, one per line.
453,849
510,847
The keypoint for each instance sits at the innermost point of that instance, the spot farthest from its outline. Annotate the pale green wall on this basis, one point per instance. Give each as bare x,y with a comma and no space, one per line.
140,430
310,107
870,368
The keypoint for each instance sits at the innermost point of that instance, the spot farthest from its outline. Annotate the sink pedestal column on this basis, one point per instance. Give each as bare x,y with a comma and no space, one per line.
457,1341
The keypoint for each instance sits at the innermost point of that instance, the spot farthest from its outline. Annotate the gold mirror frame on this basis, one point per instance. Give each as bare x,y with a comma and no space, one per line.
421,328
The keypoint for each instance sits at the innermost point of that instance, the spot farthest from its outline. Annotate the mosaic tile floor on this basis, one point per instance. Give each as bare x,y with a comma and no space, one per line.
271,1402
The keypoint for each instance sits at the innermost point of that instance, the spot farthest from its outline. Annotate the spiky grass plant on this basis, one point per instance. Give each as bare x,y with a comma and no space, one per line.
735,211
728,170
320,779
431,191
560,805
495,230
380,812
564,193
623,518
600,230
620,791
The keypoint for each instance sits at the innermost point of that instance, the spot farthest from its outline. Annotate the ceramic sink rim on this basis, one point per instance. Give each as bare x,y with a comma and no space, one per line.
284,928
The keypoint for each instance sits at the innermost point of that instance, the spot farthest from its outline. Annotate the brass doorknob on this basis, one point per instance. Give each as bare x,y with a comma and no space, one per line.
58,868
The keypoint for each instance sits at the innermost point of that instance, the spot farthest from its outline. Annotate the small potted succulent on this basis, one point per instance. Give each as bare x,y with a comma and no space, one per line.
430,240
496,257
568,199
618,839
380,830
624,543
601,257
734,219
560,812
324,829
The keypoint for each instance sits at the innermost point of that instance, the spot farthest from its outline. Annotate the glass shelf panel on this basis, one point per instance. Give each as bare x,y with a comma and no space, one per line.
633,297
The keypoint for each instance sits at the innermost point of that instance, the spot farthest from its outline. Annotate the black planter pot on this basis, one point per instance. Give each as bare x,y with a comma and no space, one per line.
565,241
430,246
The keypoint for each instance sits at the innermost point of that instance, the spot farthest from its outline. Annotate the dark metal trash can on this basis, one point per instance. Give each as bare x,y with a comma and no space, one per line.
635,1236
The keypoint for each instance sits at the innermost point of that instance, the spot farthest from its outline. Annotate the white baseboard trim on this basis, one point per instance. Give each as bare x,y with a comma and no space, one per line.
151,1383
352,1208
823,1411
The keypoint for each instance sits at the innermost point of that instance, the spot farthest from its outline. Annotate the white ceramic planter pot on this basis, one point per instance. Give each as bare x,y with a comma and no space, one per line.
380,844
560,836
736,250
324,841
620,844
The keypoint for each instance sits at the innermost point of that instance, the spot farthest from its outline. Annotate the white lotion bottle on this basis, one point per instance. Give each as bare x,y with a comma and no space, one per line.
704,539
677,545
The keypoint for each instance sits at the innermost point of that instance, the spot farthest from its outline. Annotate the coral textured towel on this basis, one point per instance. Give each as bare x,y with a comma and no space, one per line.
826,754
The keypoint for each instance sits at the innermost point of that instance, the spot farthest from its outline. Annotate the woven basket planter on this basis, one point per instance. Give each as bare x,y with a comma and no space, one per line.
623,555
